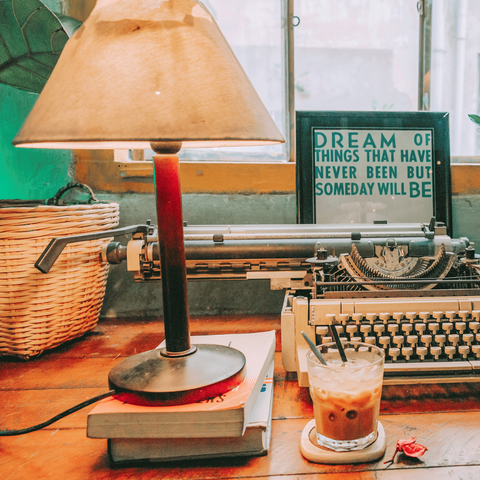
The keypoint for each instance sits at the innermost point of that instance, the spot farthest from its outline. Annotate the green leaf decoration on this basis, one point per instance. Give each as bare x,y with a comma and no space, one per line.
31,40
475,119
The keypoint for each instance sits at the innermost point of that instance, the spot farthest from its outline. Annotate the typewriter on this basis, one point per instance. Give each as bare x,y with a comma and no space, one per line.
411,289
408,288
413,292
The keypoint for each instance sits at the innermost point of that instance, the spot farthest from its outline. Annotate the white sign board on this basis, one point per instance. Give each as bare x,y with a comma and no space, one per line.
358,172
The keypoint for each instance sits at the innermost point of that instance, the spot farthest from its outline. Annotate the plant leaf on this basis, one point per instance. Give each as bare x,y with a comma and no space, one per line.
474,118
31,40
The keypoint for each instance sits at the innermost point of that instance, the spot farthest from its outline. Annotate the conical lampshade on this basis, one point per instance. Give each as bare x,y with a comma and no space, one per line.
141,71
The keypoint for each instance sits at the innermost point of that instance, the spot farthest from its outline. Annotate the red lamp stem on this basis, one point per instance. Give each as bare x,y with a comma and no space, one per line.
172,252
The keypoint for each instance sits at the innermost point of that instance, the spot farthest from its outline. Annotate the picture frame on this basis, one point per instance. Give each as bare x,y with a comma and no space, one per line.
373,167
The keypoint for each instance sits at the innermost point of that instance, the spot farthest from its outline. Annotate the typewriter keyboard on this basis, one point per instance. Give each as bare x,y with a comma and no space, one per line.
416,343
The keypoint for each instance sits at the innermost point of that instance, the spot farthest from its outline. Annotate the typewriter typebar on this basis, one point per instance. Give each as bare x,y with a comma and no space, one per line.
408,288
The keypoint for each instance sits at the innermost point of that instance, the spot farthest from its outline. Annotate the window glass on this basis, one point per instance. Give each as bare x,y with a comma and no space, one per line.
363,55
455,70
356,55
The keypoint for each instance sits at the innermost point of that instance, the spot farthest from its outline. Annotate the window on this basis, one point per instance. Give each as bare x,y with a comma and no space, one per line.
353,55
364,55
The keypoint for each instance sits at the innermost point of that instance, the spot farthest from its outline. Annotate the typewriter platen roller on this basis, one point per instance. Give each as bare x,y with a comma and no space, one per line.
409,288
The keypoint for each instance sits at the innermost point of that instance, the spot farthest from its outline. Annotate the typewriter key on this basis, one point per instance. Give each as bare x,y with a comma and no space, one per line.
434,327
454,339
420,328
384,317
384,341
436,352
407,328
464,350
422,352
351,330
365,329
411,316
460,327
407,352
447,327
321,330
392,328
426,340
450,351
394,353
412,339
398,340
474,326
379,328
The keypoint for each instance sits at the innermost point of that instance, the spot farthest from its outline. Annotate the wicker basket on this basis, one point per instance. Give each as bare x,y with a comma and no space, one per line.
41,311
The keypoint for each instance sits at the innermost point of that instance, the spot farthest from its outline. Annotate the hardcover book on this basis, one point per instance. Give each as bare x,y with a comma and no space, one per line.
223,416
254,442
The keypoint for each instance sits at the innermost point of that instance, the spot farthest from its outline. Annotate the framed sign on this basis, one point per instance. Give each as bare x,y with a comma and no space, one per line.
366,167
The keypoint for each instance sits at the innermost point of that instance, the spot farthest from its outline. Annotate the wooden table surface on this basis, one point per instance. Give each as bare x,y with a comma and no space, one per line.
445,418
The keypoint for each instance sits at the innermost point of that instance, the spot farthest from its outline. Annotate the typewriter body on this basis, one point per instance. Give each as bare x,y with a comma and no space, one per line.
417,298
409,288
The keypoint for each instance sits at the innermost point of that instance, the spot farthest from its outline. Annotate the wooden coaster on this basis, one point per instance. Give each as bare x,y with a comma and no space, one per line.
317,454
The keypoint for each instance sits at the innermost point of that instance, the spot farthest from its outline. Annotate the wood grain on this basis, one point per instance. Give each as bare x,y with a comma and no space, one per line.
445,418
453,440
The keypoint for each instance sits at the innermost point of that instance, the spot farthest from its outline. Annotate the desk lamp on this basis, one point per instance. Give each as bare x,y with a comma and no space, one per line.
155,74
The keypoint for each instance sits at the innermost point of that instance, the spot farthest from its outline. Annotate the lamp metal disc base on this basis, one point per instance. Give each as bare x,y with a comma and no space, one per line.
317,454
150,378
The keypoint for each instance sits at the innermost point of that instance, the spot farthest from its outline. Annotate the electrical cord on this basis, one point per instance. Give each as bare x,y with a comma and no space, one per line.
11,433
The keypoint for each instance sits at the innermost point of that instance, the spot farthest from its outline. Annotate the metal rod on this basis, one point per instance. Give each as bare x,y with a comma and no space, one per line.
400,281
424,53
421,45
289,78
268,236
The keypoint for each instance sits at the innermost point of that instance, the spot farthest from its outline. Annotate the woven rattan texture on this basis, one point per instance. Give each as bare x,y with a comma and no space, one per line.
41,311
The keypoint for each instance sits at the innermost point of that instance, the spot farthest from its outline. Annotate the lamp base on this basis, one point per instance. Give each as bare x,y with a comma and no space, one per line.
151,378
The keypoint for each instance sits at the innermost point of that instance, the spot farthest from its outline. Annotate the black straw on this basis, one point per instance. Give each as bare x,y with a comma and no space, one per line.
339,343
314,349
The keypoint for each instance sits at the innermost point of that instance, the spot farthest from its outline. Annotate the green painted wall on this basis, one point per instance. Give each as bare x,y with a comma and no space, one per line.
27,173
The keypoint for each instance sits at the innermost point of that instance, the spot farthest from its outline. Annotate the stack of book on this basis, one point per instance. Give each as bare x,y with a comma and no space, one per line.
236,423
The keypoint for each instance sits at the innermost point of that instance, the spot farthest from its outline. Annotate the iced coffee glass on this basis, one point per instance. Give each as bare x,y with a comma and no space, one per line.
346,396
